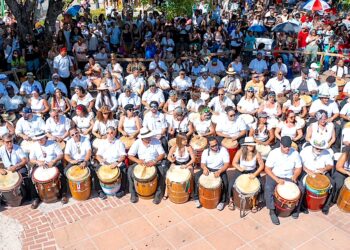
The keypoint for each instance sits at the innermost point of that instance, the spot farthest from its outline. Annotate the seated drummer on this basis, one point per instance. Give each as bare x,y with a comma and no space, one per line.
231,127
180,123
342,171
203,126
112,152
48,154
316,159
14,159
57,127
283,163
182,153
214,159
247,161
28,124
78,152
149,152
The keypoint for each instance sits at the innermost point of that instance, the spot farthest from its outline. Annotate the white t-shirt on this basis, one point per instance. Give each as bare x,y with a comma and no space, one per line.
325,134
248,105
231,128
202,127
219,106
147,153
296,110
288,131
58,129
182,84
215,160
346,88
77,150
314,162
85,101
345,110
258,66
332,90
278,86
193,106
156,123
48,152
10,159
111,151
133,99
101,127
206,84
331,108
283,165
30,127
149,96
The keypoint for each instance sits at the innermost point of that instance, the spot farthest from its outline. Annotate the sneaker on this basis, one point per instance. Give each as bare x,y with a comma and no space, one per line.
134,198
102,195
274,217
295,215
197,203
220,206
120,194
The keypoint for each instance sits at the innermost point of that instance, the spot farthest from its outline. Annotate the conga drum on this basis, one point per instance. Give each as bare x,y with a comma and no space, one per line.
110,179
198,143
193,117
343,201
178,182
245,192
62,145
317,187
307,99
231,146
295,146
286,198
79,181
171,143
264,150
247,119
97,143
146,181
127,141
209,190
47,183
10,188
27,146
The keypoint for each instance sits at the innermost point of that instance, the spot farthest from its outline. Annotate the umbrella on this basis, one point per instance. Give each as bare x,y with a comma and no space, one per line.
287,27
257,28
74,10
316,5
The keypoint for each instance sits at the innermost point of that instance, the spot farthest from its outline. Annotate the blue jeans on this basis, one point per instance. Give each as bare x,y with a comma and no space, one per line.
33,65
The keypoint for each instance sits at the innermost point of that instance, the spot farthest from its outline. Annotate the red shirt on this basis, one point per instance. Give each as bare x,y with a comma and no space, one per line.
302,39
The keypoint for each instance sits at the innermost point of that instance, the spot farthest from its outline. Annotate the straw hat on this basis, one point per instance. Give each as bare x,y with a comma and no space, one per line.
145,133
249,141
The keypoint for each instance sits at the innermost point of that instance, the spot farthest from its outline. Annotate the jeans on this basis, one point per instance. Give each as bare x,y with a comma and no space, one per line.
33,65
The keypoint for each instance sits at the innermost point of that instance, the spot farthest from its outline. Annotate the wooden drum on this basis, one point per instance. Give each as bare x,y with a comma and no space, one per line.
27,146
344,197
10,188
286,198
110,179
231,146
317,187
307,99
198,143
47,183
264,150
171,143
79,181
146,181
209,190
245,192
178,182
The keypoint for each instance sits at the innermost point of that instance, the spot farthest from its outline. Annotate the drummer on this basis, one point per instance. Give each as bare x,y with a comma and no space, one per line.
149,152
331,87
261,131
204,126
220,102
112,152
57,127
326,104
129,124
180,123
283,163
205,83
195,102
245,162
78,152
342,171
47,153
14,159
28,124
182,153
316,159
214,159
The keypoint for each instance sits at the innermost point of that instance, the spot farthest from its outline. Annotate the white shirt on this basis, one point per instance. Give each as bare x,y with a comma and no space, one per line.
50,88
283,165
234,35
132,99
279,87
219,106
332,90
149,96
331,108
206,84
11,103
63,65
325,134
248,106
136,83
147,153
105,101
78,150
194,105
182,84
219,68
346,109
10,159
276,67
156,123
314,162
85,101
258,66
346,88
26,87
231,128
296,110
58,129
311,84
48,152
111,151
30,127
101,127
215,160
288,131
340,71
83,82
201,127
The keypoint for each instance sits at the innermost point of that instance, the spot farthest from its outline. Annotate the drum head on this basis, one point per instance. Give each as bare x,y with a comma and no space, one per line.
347,183
76,173
144,173
264,150
209,181
347,125
247,185
9,181
178,174
288,190
248,119
107,174
127,141
198,143
319,181
45,174
193,117
307,99
172,142
229,143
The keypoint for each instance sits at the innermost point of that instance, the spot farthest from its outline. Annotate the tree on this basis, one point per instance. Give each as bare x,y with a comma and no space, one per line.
174,8
23,10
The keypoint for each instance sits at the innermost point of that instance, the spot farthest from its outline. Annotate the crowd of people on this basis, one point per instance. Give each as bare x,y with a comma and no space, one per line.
150,80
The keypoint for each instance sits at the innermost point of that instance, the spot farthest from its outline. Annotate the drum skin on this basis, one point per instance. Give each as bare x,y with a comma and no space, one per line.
146,188
179,192
316,191
198,149
80,189
13,197
48,190
284,207
343,202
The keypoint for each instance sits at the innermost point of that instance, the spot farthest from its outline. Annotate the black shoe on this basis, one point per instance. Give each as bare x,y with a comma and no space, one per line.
134,198
102,195
120,194
157,200
305,211
35,203
295,215
274,218
325,210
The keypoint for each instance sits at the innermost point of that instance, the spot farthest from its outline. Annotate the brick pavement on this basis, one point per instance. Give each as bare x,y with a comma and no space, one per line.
118,224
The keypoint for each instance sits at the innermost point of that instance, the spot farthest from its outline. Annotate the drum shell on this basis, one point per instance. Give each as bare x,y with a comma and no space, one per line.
13,197
147,187
111,188
80,190
198,155
209,197
315,202
249,201
179,192
49,190
284,207
343,201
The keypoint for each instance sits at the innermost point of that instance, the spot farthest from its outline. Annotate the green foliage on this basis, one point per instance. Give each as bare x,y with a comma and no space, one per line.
97,12
174,8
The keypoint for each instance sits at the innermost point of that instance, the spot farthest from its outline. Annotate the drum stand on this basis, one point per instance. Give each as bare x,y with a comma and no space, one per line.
243,202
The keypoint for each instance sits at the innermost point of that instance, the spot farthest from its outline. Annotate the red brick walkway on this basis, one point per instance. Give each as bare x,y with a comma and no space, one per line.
118,224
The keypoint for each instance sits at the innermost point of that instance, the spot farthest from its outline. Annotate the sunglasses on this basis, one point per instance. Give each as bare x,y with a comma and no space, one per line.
220,94
154,106
74,134
214,146
106,113
250,91
130,110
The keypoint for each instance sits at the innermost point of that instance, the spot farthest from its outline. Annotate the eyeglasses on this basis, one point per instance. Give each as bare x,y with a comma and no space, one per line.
130,110
154,106
214,146
74,134
220,94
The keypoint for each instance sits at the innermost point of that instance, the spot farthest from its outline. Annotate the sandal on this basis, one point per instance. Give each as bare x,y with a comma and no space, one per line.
165,197
231,206
254,209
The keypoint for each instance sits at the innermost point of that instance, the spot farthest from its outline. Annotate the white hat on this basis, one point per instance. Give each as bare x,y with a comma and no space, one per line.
145,133
39,135
324,93
319,143
170,49
314,65
103,86
230,71
249,141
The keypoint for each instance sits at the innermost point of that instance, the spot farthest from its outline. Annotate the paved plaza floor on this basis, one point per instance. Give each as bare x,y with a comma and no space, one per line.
118,224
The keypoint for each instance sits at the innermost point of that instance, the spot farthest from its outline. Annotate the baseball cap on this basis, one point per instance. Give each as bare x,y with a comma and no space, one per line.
286,141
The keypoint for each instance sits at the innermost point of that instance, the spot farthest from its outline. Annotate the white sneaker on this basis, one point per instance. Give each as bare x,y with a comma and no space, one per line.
197,203
220,206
